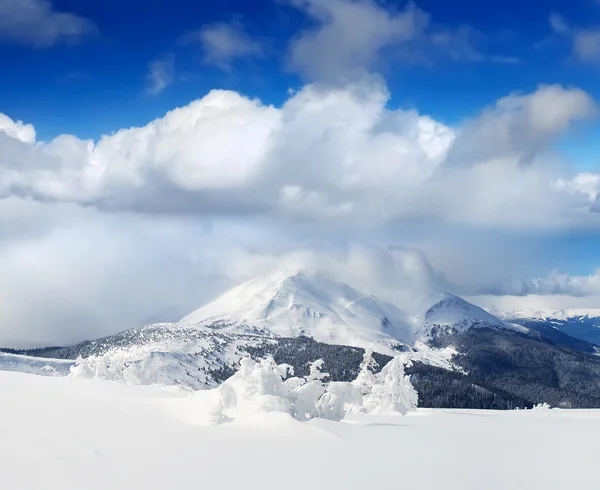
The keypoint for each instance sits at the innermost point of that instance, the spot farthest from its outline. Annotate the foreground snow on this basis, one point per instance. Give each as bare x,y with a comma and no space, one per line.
72,433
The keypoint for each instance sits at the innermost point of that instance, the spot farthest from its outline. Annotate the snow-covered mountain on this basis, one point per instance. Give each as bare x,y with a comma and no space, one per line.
549,315
583,324
306,305
265,315
453,314
459,350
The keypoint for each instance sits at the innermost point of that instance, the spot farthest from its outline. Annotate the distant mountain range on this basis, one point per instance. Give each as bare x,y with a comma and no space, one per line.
463,356
581,324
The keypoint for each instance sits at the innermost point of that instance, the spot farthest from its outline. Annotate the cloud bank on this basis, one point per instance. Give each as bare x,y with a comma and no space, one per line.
328,154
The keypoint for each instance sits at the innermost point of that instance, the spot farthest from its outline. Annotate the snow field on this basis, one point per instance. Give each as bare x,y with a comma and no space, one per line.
72,433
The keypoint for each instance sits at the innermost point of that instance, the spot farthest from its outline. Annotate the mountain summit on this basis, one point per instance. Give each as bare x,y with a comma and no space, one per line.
310,305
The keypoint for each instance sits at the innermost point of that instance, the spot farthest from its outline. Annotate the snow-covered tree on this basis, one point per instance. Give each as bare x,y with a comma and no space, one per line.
306,394
393,392
264,386
365,380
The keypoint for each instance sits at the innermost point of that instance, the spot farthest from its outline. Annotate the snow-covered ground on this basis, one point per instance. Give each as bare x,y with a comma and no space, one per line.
72,433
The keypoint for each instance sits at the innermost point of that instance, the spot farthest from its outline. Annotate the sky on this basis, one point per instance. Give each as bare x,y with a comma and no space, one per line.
153,154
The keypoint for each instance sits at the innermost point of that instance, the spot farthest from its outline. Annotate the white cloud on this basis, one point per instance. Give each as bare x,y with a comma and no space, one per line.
350,36
326,154
555,284
585,41
353,37
89,276
223,43
554,292
17,129
37,23
519,126
161,74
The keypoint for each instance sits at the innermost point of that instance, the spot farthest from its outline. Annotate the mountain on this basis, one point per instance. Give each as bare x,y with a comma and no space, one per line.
453,314
582,324
305,305
463,356
526,365
263,316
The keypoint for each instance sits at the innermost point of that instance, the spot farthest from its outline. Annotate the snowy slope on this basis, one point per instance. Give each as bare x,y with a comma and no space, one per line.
310,305
68,434
165,354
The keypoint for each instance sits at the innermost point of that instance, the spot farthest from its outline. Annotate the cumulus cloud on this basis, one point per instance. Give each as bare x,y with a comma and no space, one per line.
327,154
161,74
37,23
223,43
17,129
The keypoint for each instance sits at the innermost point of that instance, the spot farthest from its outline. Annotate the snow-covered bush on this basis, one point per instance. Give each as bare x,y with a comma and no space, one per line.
264,386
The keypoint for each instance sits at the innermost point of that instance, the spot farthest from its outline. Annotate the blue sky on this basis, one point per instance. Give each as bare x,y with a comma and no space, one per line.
96,84
465,134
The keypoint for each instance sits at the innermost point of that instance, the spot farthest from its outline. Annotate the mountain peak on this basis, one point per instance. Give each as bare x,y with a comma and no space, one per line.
314,305
454,313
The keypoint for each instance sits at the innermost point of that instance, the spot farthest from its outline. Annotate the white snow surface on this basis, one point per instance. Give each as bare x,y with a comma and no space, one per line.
72,433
